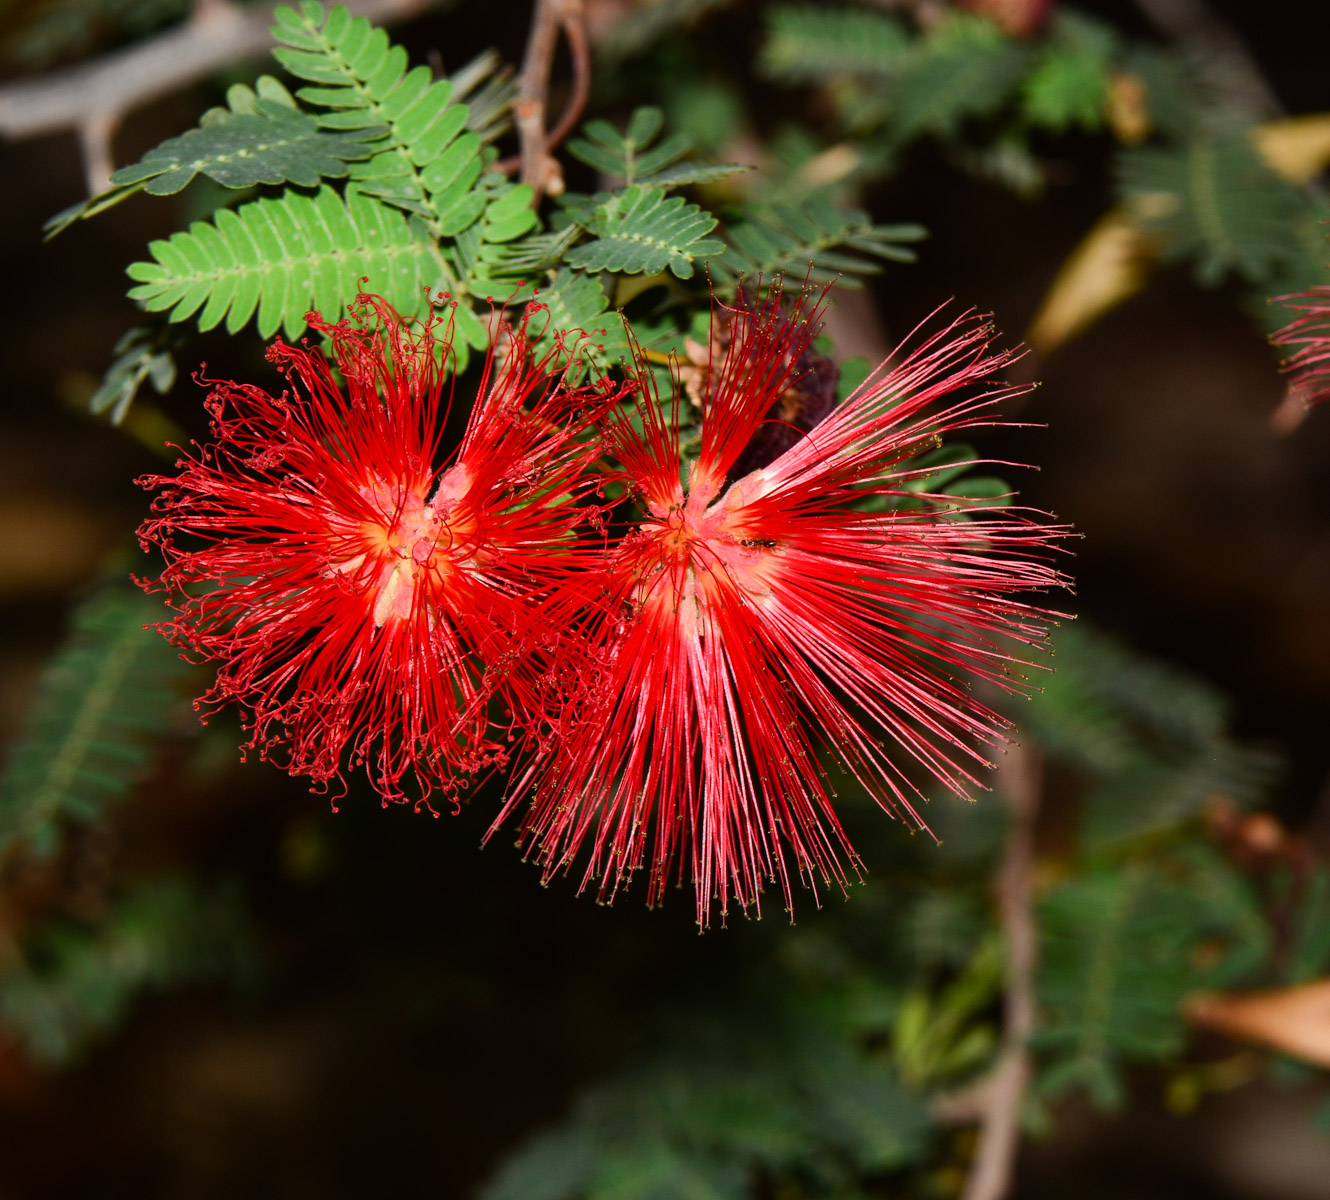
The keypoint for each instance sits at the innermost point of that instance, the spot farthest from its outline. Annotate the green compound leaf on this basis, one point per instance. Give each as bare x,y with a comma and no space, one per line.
1153,741
523,258
815,44
641,231
816,237
273,144
631,156
275,259
1121,948
259,136
702,1121
576,305
112,688
1069,85
429,163
967,67
1215,201
554,1166
143,355
74,983
489,92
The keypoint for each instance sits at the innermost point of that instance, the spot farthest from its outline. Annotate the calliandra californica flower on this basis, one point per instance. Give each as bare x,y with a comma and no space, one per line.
1309,366
820,605
363,598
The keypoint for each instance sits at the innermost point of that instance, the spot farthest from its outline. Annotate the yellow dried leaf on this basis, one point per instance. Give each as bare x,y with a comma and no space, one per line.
1297,148
1294,1021
1128,109
1108,266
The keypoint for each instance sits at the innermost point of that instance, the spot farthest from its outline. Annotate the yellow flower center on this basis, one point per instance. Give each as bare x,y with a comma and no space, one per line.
409,543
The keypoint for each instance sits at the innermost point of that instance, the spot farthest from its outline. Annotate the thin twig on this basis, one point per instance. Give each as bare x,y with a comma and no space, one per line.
537,166
574,32
94,97
1001,1099
533,87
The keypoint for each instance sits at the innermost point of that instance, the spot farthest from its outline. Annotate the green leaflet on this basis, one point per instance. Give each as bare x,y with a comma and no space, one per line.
577,305
630,156
1153,741
111,689
144,354
816,237
273,144
279,258
704,1121
430,162
967,67
814,44
1118,951
1069,85
552,1166
260,136
641,231
1215,201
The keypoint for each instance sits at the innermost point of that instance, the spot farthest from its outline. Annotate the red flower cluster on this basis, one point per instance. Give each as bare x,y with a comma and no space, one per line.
365,599
681,684
1309,365
748,628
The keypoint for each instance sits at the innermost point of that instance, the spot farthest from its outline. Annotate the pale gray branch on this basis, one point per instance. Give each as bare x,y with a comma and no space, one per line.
215,36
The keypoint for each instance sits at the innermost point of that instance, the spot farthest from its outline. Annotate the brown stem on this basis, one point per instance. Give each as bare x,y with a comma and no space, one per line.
574,32
533,91
537,167
1000,1114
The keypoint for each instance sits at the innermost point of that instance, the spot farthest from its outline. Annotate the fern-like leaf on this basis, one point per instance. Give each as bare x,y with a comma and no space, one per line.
1119,951
815,237
1215,201
1153,742
281,257
489,89
814,44
429,163
110,691
966,67
273,144
632,157
641,231
576,306
1069,85
260,136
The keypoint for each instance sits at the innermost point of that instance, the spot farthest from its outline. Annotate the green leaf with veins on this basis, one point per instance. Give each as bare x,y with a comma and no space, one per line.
274,144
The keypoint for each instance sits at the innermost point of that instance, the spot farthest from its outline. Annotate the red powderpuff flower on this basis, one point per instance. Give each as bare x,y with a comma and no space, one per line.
1309,365
363,598
816,606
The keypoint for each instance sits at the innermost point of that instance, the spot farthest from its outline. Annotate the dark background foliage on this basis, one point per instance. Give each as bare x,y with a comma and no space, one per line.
403,1011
